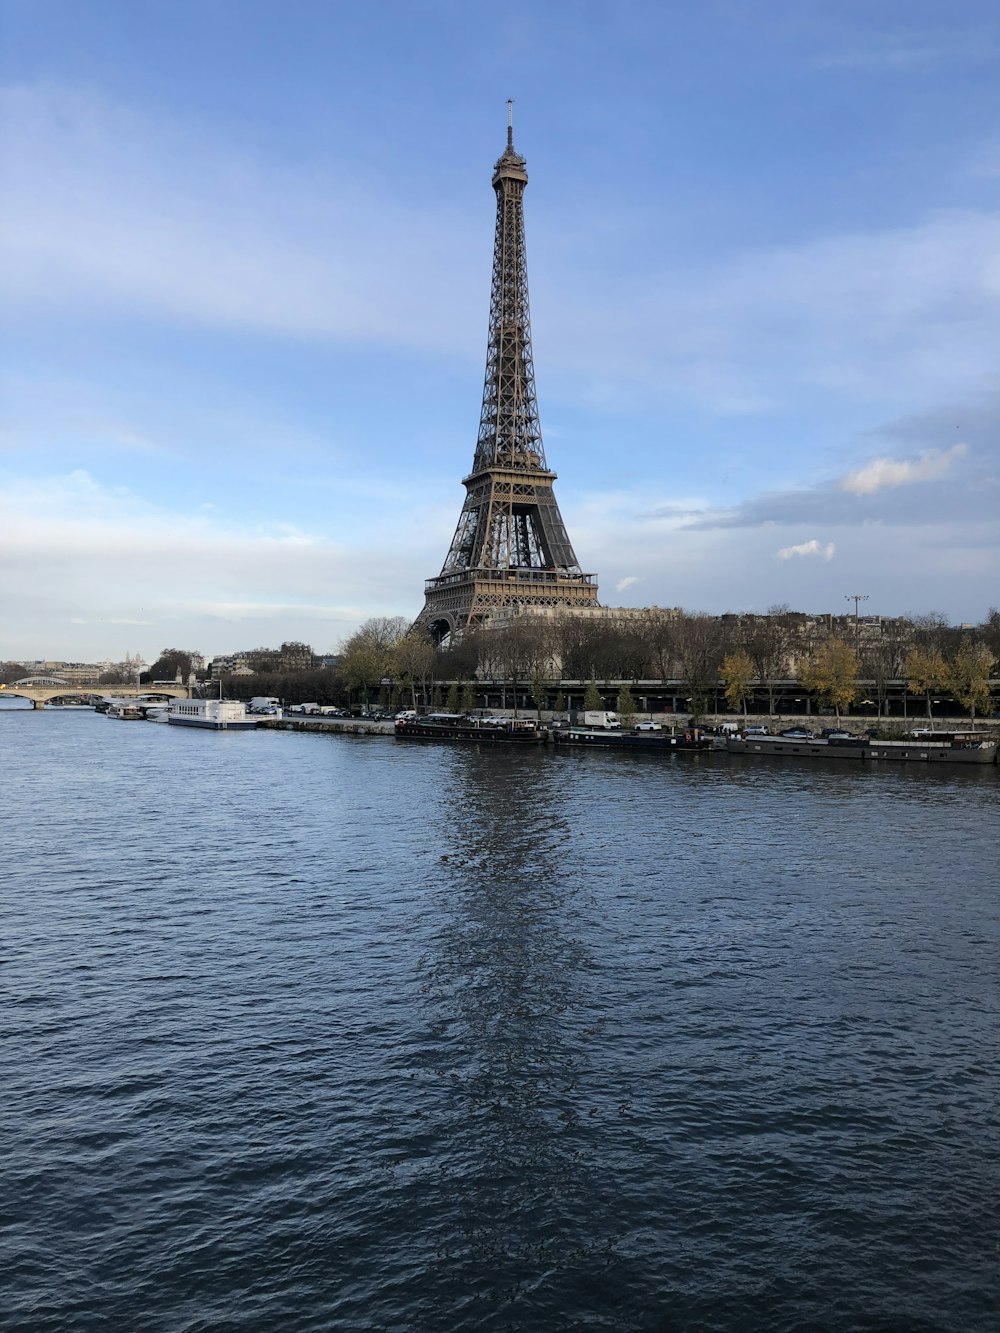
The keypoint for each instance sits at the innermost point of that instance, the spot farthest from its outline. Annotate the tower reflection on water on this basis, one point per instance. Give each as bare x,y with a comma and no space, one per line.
513,982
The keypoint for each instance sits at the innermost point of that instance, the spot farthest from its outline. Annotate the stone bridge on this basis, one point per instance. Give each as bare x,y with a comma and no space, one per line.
41,690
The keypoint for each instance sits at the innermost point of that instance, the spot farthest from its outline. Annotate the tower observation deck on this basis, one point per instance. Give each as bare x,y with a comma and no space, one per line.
510,547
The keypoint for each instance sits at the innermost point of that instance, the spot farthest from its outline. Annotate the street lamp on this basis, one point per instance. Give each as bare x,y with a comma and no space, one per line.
856,598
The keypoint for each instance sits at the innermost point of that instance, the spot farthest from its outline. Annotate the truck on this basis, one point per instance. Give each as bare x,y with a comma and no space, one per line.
603,719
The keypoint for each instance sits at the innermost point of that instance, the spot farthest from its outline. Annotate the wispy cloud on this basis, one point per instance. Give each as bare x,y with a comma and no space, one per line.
810,548
176,227
76,552
913,51
625,583
882,473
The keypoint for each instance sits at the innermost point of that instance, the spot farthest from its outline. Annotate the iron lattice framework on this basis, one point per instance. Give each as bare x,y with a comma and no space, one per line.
510,546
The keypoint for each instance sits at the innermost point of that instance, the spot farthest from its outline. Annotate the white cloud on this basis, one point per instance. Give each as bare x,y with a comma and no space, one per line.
628,582
882,473
913,51
170,225
102,559
176,227
902,318
814,547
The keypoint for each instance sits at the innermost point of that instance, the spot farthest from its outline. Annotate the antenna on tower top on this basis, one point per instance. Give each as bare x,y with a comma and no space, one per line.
510,122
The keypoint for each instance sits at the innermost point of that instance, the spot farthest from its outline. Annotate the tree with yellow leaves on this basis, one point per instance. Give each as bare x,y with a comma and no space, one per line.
926,671
968,676
831,673
737,673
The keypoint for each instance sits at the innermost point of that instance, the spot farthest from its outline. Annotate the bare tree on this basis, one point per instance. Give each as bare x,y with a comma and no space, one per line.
659,630
768,643
412,662
699,653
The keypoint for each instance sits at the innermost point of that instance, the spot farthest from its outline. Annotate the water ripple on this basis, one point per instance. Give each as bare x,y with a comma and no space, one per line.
306,1032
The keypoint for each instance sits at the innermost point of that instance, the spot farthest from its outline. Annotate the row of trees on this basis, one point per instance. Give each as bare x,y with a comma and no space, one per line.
748,658
833,674
746,654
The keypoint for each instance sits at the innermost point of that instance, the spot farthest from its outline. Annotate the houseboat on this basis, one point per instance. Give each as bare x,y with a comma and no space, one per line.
941,748
462,727
637,738
125,710
210,715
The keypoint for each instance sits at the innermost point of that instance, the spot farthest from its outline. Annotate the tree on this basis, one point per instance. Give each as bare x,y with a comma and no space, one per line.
990,631
521,649
467,698
882,659
969,675
832,674
451,701
168,663
413,660
625,706
367,656
592,700
926,671
737,673
659,632
699,642
768,645
559,703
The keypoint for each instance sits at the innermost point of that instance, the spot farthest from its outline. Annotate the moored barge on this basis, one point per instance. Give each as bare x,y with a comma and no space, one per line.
944,748
461,727
637,739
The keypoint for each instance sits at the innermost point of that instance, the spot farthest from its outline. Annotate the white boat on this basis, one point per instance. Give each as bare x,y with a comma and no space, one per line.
210,715
124,710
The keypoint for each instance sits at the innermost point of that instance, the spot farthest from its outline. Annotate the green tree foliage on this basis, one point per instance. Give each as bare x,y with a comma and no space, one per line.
166,665
926,672
559,703
451,701
538,695
737,673
592,700
969,675
625,706
467,698
831,673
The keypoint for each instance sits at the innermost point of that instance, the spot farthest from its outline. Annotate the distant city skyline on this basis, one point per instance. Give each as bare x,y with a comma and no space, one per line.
246,262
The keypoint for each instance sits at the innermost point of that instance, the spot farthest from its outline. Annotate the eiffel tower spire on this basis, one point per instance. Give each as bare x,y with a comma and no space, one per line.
510,546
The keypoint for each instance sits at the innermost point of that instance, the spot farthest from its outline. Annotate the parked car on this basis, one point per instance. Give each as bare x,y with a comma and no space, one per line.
797,733
757,731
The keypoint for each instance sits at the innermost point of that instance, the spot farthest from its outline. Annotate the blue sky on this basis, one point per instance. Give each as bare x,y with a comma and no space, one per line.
245,290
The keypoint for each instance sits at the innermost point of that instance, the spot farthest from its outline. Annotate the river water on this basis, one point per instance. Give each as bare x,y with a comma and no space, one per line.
336,1033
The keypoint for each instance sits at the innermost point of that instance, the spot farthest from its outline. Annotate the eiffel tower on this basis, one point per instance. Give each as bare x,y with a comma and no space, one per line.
510,547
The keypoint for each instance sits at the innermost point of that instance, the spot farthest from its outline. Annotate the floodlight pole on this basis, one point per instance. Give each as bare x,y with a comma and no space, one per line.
857,598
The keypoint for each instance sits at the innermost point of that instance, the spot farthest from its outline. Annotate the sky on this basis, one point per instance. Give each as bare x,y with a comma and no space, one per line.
245,273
